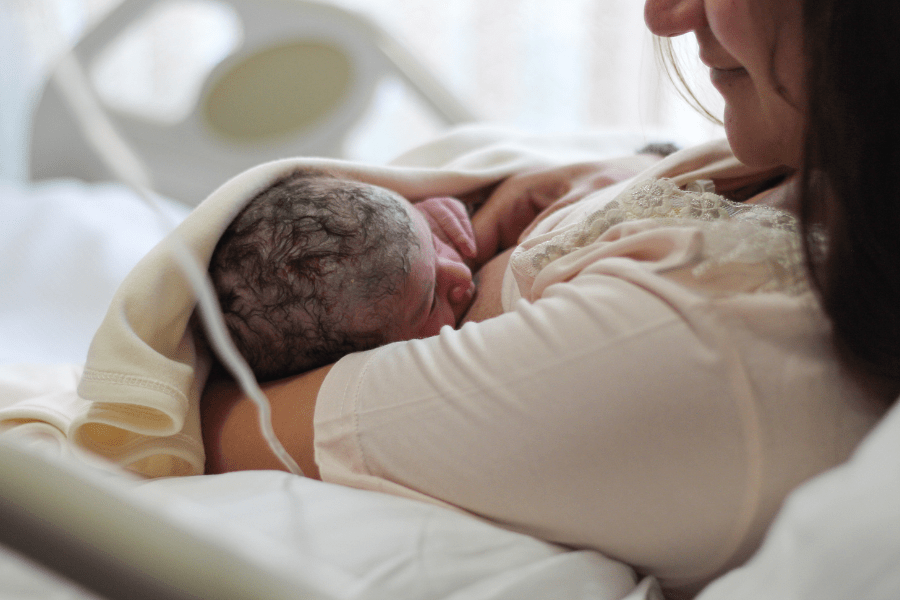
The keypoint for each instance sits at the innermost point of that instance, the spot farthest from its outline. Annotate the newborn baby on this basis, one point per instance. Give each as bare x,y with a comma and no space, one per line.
317,266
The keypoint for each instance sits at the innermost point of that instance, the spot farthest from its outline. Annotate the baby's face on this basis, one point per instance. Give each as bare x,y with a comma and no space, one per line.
439,289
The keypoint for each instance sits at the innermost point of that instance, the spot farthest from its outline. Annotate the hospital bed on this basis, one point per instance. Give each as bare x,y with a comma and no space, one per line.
73,528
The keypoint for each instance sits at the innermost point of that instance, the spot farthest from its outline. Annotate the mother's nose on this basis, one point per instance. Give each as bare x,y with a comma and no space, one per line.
668,18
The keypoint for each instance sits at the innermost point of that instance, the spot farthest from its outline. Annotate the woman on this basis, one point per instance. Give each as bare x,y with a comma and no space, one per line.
686,351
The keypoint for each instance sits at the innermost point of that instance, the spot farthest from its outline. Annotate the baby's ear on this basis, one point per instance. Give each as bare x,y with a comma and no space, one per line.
450,222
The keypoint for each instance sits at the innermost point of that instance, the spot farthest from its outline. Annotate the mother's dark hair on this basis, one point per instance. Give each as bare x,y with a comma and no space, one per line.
851,174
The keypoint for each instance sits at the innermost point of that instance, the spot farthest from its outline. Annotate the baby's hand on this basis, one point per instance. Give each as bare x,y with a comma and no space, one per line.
450,222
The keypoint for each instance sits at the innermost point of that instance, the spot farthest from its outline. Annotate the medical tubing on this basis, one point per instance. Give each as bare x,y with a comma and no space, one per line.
127,167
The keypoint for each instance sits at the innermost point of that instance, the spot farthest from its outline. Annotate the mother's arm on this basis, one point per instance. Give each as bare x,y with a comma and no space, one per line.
230,423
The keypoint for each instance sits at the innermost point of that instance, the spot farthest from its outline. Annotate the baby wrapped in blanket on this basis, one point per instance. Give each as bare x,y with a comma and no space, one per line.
137,401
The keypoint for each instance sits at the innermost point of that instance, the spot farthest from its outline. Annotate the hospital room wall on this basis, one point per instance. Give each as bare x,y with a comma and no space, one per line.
531,64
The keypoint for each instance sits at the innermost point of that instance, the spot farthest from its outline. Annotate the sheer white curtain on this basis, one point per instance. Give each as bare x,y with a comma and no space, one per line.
569,65
536,65
542,65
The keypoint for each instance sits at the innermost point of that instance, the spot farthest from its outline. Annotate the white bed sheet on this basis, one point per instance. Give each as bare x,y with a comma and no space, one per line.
66,246
380,546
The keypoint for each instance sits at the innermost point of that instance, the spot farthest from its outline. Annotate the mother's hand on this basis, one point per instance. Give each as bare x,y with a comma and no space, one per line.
521,199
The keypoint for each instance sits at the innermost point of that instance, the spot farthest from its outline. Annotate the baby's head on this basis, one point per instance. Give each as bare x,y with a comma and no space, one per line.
316,267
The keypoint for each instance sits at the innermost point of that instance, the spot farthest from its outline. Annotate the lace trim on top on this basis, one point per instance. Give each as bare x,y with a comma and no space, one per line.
734,233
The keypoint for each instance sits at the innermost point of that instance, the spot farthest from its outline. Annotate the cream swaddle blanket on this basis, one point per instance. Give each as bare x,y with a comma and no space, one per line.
137,401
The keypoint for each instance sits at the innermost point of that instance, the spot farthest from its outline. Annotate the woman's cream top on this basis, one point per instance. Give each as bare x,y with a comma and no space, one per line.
660,379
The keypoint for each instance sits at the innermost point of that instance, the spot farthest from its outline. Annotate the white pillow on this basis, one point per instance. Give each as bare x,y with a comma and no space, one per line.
836,538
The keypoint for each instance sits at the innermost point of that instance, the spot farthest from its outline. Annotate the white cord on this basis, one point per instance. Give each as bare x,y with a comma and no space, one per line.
127,167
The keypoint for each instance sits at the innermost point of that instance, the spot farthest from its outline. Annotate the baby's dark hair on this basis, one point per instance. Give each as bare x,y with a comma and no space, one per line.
305,272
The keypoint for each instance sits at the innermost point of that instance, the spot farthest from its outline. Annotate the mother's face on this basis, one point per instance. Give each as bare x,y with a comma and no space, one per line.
754,50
